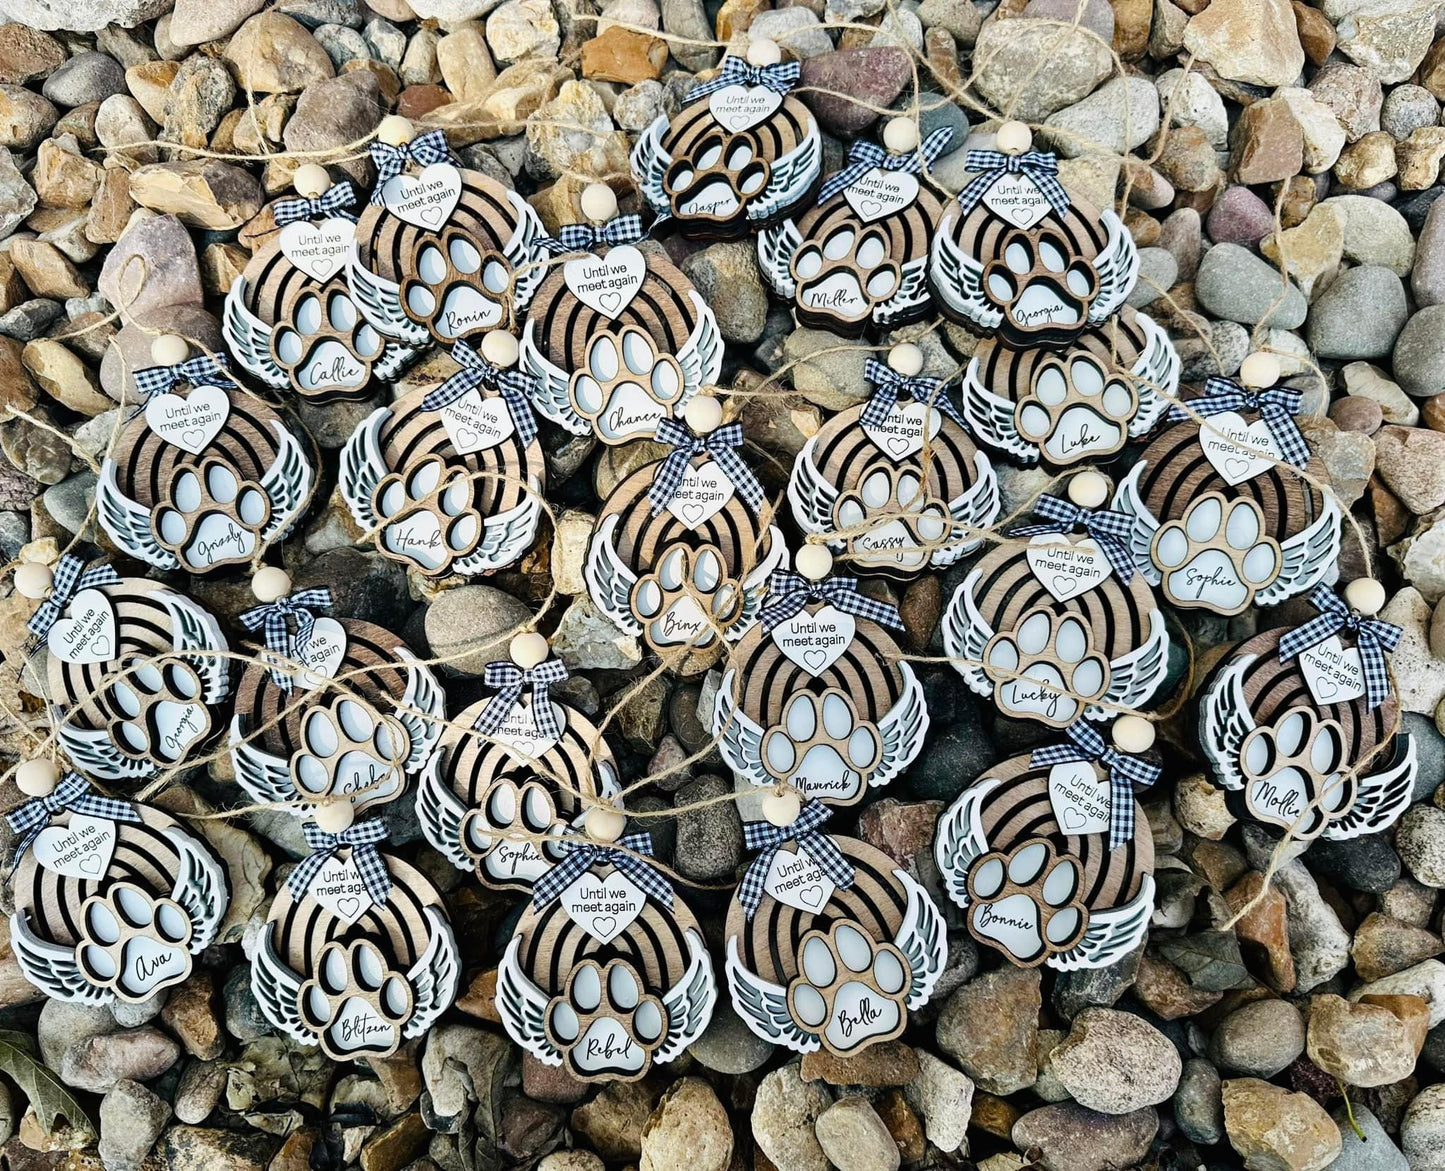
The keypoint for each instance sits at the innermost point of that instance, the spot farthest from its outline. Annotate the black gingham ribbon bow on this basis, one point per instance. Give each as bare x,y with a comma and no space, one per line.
514,386
719,444
1111,530
582,855
1372,636
332,202
1126,773
779,78
1277,406
1039,165
202,370
509,679
71,577
769,838
788,593
623,229
362,838
275,631
72,793
390,161
865,156
889,386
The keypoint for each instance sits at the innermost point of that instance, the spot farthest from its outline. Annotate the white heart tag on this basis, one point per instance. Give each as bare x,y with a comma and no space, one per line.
519,731
1221,437
1067,570
603,907
318,250
795,880
1333,672
815,641
702,493
475,424
606,283
81,849
87,632
1080,798
189,423
323,654
741,107
339,889
426,200
1017,198
881,193
901,433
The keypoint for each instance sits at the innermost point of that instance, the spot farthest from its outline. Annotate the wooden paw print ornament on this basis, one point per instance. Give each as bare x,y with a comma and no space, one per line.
445,254
112,900
290,319
858,258
136,673
1033,890
607,973
357,954
1064,627
617,339
202,478
511,772
1021,256
817,696
1075,405
1222,520
300,740
679,555
895,485
731,164
450,480
830,943
1299,725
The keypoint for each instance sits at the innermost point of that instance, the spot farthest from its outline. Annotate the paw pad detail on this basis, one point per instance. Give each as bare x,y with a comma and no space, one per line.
355,1004
459,290
822,747
430,518
1035,283
626,387
325,344
849,273
606,1020
849,988
1027,900
157,709
1295,772
722,174
210,516
1046,669
1075,407
891,519
132,943
1217,554
506,808
688,600
349,749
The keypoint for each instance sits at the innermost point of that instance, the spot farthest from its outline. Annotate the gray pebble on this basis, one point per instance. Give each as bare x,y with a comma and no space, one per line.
1375,1152
1359,315
1158,270
30,319
1419,354
1259,1039
386,41
131,1119
1237,285
1407,108
342,44
1198,1104
86,77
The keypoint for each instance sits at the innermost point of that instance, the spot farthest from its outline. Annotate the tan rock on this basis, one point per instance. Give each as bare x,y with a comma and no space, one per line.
1419,157
1200,807
623,55
1367,162
274,54
689,1128
1324,137
1316,33
1166,991
466,62
1365,1044
574,134
150,84
1276,1129
18,391
397,1145
1311,251
1264,929
1188,160
1431,73
203,193
736,16
65,378
221,264
63,177
1267,143
1254,41
47,270
520,90
27,54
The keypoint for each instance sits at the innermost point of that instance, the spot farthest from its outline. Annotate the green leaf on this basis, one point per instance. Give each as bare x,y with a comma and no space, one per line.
48,1097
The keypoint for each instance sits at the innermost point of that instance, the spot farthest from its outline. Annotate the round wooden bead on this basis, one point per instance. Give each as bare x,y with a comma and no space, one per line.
815,562
310,180
906,359
1088,489
394,130
703,414
169,349
900,135
1013,138
528,649
500,348
782,808
1259,370
270,583
34,580
37,778
598,202
604,823
763,52
1366,595
334,816
1133,734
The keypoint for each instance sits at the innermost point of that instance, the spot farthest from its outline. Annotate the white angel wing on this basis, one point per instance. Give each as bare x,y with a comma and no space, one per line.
523,1008
689,1002
1306,557
440,814
972,511
51,967
127,523
95,753
791,177
763,1006
506,536
1224,721
810,495
1141,537
1112,934
195,636
277,990
525,256
650,163
755,585
287,482
422,710
960,841
902,730
1117,267
702,354
1134,677
433,978
609,582
965,634
265,778
550,383
1381,798
912,292
200,887
991,417
922,938
379,301
740,738
249,338
394,358
957,278
363,468
1156,376
776,248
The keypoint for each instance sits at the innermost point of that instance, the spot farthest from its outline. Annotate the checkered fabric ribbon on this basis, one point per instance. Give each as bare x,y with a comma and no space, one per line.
1372,637
769,838
1039,165
509,679
1277,406
275,630
582,855
362,839
1110,530
788,593
719,444
623,229
72,793
332,203
865,156
202,370
890,386
390,161
514,386
1126,773
71,577
736,71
